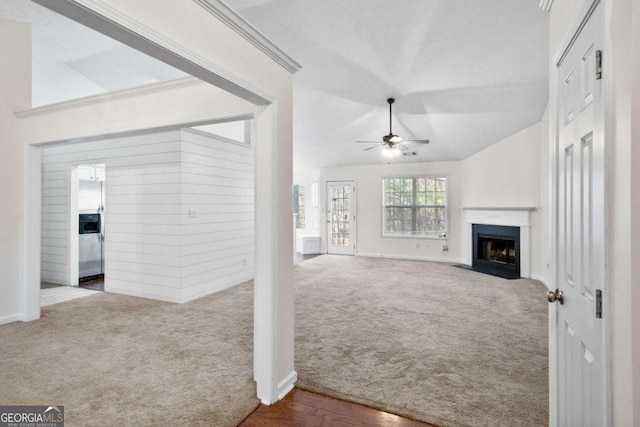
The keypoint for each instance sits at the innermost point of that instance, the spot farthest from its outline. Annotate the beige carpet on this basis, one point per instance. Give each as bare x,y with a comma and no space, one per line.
122,361
426,340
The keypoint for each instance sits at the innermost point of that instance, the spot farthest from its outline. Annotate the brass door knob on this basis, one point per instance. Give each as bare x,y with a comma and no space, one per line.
556,295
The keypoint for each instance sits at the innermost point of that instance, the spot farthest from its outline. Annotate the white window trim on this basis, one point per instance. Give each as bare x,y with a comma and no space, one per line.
415,236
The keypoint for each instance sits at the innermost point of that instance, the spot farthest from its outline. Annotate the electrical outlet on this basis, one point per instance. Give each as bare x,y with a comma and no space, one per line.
445,248
244,262
417,245
193,213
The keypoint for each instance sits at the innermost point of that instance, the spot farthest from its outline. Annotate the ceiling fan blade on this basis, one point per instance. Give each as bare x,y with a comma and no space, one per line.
416,141
371,148
369,142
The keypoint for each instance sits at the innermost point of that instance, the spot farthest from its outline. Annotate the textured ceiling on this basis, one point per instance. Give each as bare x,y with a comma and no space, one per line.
465,74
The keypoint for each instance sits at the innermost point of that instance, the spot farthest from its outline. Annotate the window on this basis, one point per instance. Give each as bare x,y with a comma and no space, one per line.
298,205
314,204
414,206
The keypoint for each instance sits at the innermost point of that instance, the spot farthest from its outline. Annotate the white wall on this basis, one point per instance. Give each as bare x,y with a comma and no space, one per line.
620,73
635,201
218,248
544,213
560,19
15,94
141,173
155,185
368,181
507,174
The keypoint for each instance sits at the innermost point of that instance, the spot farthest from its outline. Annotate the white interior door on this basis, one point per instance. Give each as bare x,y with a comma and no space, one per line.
577,331
341,233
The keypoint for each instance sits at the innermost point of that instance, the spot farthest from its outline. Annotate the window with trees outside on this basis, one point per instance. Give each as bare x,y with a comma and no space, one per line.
414,206
299,205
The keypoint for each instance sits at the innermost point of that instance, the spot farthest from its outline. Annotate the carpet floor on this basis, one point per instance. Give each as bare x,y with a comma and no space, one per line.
425,340
117,360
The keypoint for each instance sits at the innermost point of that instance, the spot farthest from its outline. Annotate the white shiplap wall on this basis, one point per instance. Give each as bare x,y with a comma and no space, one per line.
218,236
154,247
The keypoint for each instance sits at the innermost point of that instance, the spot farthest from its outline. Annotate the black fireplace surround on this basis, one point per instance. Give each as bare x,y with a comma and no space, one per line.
496,250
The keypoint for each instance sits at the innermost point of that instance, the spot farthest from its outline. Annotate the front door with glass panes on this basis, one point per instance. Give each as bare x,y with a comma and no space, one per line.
341,216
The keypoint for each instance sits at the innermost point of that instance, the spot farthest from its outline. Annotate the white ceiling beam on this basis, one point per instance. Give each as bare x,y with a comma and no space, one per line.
241,26
106,20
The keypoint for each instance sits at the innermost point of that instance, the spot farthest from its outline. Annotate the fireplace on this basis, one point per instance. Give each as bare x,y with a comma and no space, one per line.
496,250
505,217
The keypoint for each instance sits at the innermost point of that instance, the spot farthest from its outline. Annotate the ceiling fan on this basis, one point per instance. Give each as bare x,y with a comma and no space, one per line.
392,141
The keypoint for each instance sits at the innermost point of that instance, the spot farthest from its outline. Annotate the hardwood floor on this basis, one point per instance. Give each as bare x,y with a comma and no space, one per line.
301,408
95,283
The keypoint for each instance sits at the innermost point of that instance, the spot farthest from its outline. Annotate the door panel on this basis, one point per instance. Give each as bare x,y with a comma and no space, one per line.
341,236
581,367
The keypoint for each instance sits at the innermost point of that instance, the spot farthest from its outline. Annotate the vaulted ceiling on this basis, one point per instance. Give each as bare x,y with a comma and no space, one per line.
465,74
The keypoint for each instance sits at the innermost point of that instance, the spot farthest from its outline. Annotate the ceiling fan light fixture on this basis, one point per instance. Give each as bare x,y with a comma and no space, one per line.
391,140
390,152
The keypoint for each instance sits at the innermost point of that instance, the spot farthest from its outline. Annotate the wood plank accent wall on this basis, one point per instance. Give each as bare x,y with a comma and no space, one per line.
179,213
218,187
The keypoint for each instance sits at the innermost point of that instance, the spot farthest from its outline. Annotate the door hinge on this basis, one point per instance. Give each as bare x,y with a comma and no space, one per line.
598,64
598,304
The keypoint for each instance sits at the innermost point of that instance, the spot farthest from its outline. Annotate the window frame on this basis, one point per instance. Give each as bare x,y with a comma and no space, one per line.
297,208
444,236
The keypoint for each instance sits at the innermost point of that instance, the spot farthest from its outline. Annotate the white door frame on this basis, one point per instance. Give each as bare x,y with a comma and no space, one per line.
352,217
73,236
74,245
554,78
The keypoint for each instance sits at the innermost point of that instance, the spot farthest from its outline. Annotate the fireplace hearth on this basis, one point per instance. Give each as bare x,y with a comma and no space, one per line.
496,250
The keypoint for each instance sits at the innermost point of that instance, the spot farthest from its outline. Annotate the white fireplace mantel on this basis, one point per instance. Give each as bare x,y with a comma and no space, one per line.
508,216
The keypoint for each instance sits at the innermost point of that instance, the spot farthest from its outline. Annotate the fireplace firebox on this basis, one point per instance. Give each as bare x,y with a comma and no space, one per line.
496,250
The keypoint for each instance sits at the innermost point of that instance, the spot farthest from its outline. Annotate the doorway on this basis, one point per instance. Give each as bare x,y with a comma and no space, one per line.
73,224
341,211
89,181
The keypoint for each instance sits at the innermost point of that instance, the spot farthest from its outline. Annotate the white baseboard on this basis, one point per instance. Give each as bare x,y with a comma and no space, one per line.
175,299
138,294
410,258
541,279
286,385
218,288
10,319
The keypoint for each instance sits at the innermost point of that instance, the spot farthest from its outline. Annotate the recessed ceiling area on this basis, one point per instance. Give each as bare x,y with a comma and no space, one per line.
71,61
465,74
